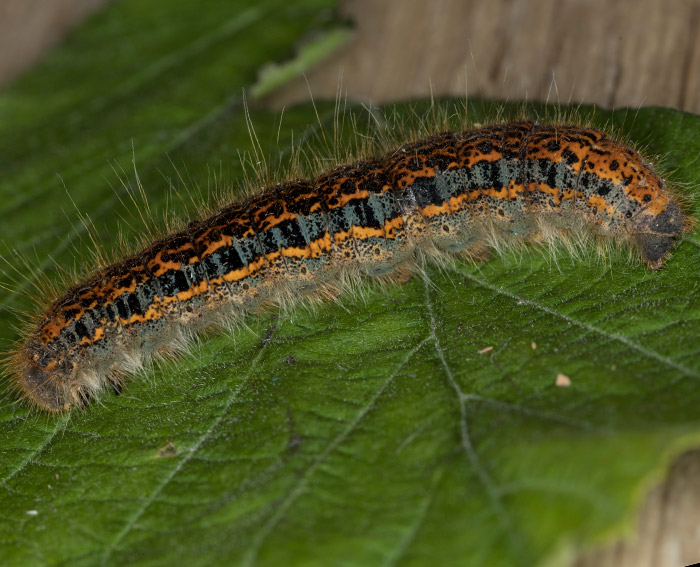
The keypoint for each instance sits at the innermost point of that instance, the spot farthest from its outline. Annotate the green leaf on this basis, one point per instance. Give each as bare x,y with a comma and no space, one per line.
374,430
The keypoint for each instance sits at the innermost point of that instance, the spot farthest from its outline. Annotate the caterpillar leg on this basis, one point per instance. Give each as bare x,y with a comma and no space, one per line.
399,276
476,253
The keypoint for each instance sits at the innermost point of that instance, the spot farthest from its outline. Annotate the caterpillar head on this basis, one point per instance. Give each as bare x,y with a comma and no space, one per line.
655,229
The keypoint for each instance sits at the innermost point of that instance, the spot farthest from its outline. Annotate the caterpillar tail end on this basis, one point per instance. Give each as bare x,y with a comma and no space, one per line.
44,388
44,391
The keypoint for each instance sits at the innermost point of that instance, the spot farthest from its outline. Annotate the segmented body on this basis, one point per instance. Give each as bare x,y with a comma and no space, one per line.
451,192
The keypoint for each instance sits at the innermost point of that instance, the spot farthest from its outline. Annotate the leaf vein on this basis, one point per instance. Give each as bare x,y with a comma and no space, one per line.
300,487
591,328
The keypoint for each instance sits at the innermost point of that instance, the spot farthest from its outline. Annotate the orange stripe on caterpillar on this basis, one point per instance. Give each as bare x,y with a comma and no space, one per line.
449,193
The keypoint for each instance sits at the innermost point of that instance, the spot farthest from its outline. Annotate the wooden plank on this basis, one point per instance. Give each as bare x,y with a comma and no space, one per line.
613,53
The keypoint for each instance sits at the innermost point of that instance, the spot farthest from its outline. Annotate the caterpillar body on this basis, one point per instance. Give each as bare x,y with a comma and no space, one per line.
446,194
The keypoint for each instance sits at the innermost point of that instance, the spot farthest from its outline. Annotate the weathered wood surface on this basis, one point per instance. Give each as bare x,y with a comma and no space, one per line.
30,28
612,53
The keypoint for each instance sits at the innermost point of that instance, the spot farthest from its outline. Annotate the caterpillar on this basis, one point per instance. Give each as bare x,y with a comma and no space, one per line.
447,194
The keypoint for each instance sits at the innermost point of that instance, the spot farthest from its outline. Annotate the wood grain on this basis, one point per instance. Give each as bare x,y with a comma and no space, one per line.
30,28
668,526
613,53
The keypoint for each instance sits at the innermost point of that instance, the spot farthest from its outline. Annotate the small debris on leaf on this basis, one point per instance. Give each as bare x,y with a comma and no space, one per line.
563,381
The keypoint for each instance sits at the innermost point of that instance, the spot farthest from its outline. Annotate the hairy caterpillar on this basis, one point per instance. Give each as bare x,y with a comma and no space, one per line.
446,194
